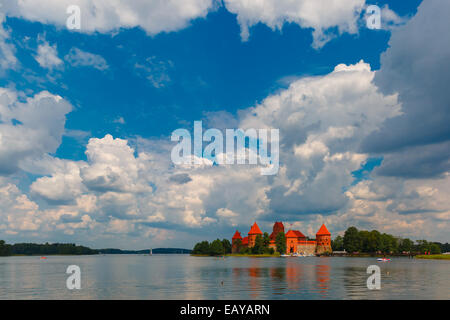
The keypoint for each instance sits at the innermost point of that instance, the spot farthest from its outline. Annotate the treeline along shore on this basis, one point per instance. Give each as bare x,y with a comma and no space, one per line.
28,249
363,242
44,249
354,242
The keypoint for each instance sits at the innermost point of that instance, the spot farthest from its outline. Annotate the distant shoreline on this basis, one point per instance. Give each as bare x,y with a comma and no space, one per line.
71,249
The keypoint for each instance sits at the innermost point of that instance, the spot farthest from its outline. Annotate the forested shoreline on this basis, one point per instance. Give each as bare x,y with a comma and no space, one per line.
375,242
44,249
29,249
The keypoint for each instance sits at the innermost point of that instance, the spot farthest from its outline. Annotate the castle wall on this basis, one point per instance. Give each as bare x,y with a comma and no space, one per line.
251,240
323,244
291,245
306,247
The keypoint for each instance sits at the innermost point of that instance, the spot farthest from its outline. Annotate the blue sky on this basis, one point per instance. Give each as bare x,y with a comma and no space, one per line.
140,84
209,69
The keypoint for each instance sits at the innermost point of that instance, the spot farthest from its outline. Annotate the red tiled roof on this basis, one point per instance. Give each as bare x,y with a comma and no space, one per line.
294,234
323,231
278,225
245,241
291,234
237,235
299,234
255,229
277,228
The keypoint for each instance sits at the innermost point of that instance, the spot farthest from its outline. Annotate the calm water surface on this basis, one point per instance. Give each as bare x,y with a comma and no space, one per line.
186,277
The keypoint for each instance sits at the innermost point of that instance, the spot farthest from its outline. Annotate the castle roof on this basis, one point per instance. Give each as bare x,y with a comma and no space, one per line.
299,234
255,229
278,224
291,234
245,241
277,228
237,235
294,234
323,231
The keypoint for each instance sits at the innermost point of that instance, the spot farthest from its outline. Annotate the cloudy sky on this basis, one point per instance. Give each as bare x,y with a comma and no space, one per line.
86,118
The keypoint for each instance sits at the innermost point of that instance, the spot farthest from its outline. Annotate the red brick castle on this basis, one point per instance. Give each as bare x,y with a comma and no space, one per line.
296,242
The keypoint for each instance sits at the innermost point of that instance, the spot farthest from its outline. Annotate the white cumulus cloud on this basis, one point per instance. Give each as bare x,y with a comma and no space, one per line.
320,15
29,127
154,16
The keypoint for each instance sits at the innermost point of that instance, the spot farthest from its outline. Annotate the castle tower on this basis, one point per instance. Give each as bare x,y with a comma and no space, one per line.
236,237
254,231
277,228
291,241
323,239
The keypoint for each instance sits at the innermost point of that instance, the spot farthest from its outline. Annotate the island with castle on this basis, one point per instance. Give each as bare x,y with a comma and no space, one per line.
296,242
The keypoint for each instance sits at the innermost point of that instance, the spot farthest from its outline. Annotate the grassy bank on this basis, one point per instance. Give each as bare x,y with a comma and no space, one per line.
434,256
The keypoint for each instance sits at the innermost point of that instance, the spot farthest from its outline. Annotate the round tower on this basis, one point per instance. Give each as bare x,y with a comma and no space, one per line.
277,228
234,242
323,240
254,231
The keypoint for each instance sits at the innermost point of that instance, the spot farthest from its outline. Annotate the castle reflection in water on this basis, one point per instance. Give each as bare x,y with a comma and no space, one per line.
283,279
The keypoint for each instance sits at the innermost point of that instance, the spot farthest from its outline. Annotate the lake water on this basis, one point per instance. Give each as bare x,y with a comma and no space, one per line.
186,277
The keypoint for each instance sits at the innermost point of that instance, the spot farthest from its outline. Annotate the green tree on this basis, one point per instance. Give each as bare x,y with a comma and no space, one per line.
245,250
435,248
202,248
48,249
406,245
422,246
216,248
266,240
259,245
373,241
280,242
5,249
352,241
337,244
388,243
226,245
364,240
445,247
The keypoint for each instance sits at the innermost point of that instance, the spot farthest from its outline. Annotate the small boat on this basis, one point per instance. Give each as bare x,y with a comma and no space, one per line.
43,258
285,255
383,259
